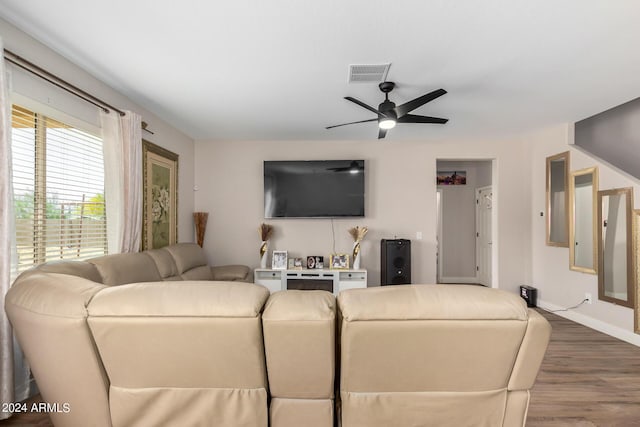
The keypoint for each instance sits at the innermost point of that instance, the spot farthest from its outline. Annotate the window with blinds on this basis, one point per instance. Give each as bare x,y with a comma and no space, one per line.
58,188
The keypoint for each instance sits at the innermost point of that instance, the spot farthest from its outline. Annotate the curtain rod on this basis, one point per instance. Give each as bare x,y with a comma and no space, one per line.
57,81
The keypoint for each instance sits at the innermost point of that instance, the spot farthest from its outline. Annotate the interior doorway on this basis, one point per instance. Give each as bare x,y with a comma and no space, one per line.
464,223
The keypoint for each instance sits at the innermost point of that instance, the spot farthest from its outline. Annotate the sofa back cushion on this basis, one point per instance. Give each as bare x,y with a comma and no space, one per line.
191,261
74,268
300,346
299,335
432,337
165,263
168,345
119,269
444,349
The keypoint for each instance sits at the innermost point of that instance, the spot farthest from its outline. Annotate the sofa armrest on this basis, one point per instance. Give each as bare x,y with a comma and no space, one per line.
49,317
231,273
532,350
299,337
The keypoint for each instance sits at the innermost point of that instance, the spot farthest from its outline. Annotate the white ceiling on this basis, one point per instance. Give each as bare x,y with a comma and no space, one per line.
277,69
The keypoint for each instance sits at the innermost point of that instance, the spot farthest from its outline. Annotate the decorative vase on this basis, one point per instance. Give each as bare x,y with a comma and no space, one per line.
263,254
356,255
200,220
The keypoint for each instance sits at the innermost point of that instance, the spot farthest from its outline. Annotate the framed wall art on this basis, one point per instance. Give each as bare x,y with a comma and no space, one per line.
451,178
160,196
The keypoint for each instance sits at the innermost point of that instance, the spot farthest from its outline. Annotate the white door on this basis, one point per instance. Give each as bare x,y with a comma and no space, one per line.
438,235
484,205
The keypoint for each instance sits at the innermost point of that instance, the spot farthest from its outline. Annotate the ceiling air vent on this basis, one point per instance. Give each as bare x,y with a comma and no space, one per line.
371,73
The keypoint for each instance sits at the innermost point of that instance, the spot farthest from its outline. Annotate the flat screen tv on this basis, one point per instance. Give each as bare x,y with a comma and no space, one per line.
314,189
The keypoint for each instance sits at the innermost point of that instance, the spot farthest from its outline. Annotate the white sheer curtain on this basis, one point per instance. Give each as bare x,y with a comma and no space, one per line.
7,237
122,142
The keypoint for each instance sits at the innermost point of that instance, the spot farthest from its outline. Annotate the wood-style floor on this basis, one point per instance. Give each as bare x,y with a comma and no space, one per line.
587,379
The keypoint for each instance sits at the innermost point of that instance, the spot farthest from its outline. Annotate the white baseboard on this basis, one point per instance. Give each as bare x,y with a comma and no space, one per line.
459,280
598,325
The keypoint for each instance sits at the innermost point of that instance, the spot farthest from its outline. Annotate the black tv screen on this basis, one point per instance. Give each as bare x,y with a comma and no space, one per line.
314,189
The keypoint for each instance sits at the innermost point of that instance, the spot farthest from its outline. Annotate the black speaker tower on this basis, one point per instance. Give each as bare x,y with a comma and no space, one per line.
395,262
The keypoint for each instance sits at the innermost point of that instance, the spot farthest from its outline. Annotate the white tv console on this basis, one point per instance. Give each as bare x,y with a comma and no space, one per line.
278,280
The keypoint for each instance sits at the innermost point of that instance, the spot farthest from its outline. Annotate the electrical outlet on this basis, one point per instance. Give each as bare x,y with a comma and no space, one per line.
587,296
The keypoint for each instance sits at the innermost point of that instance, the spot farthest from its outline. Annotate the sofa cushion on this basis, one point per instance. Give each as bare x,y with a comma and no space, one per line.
449,351
231,272
431,302
190,406
63,296
462,331
298,306
73,268
299,335
165,264
187,256
198,273
301,412
166,345
119,269
191,299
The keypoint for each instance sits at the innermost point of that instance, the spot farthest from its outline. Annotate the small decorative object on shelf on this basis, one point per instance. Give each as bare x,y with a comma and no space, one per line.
358,234
339,261
200,220
265,231
279,260
297,263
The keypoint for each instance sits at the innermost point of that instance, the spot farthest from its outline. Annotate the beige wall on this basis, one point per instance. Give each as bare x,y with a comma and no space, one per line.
165,135
559,287
400,201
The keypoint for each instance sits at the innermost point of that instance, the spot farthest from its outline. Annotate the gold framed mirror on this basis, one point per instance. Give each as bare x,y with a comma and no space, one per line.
616,271
583,229
636,251
557,200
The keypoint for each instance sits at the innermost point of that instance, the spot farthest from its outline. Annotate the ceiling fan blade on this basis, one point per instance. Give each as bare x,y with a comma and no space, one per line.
382,133
352,123
412,118
408,107
363,105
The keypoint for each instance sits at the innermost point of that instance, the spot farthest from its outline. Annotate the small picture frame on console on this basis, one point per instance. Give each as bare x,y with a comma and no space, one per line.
339,261
297,263
279,260
315,262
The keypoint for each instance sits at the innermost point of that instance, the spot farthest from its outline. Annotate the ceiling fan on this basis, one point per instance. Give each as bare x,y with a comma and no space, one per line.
354,167
389,114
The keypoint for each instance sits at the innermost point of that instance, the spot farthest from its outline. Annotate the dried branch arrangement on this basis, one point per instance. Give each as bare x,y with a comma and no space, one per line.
200,220
265,231
358,233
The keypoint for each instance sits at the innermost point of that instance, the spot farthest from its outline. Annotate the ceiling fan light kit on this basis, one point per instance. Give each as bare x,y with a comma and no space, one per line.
386,123
389,114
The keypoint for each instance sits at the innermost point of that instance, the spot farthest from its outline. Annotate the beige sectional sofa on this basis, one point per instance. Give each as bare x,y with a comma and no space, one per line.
149,340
